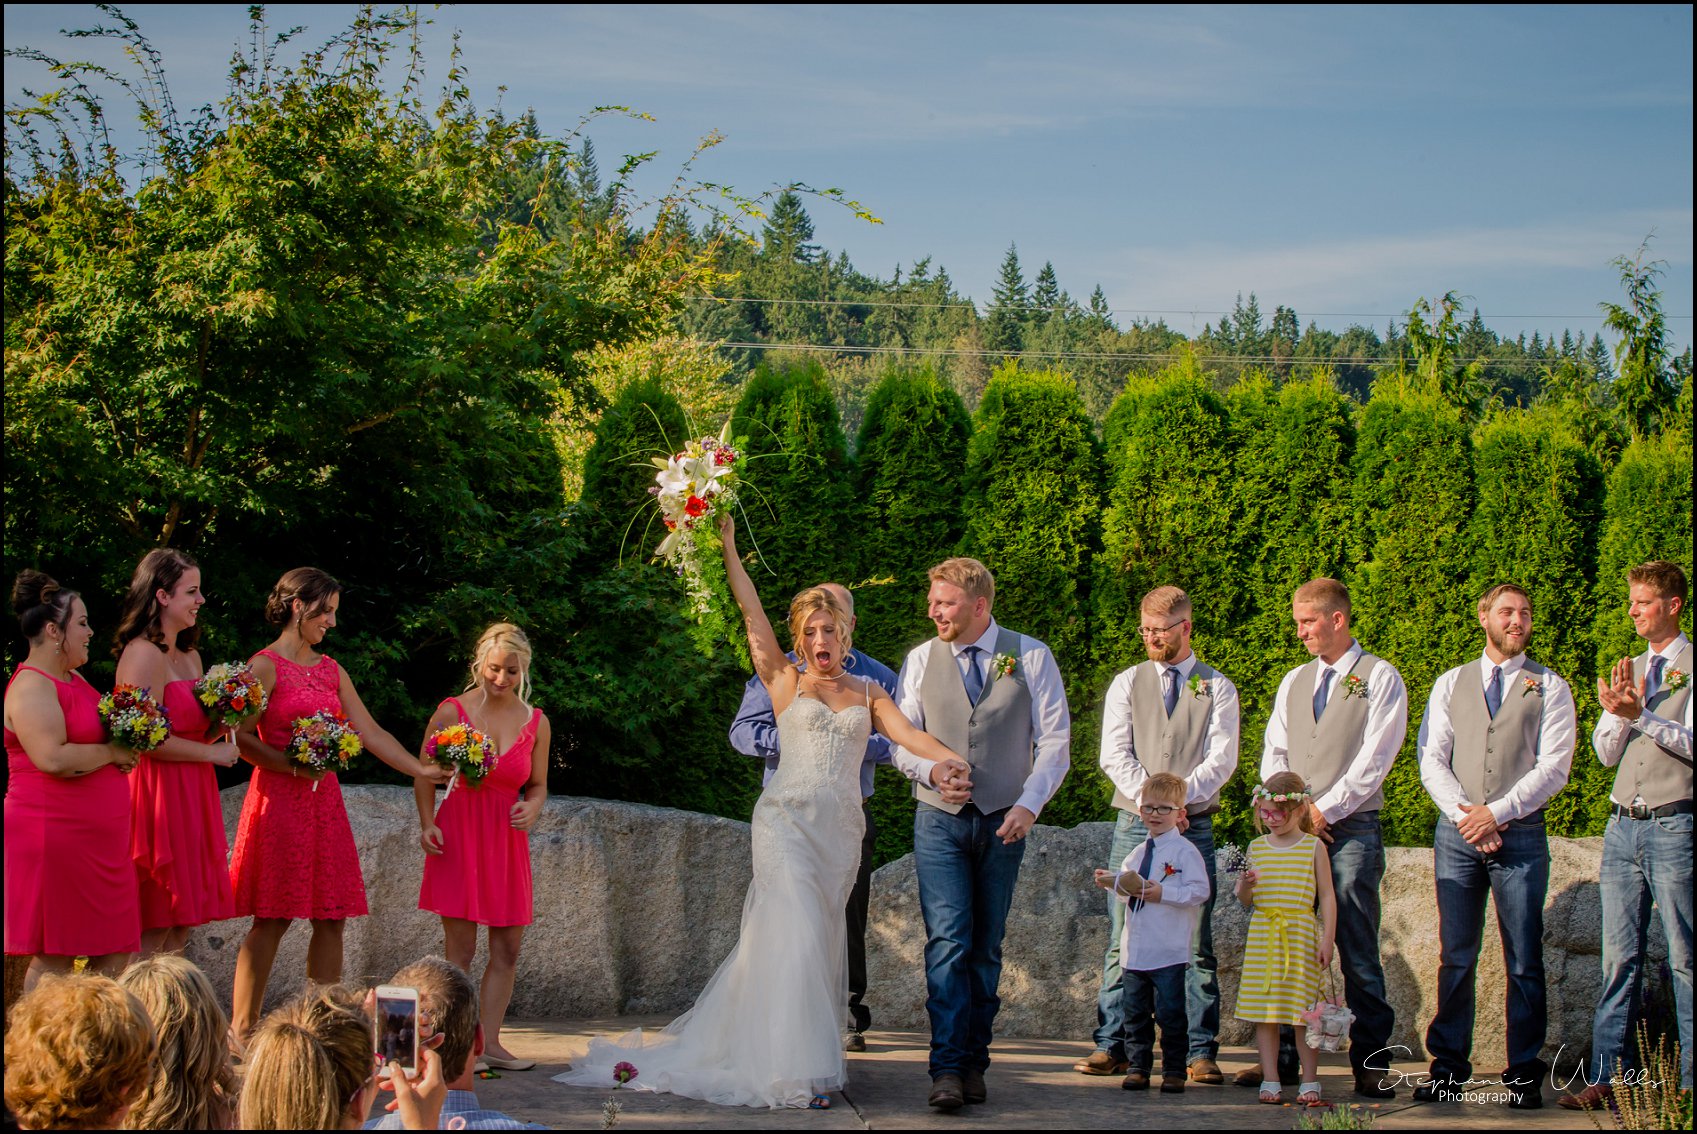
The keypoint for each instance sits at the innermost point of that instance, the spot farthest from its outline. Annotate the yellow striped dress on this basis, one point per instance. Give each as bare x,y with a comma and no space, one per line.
1281,975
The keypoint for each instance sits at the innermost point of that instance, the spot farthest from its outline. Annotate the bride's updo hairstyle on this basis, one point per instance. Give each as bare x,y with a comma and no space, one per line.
502,638
39,601
810,602
313,587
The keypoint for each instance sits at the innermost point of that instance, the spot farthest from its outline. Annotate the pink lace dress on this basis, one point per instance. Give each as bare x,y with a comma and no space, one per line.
483,872
177,828
295,854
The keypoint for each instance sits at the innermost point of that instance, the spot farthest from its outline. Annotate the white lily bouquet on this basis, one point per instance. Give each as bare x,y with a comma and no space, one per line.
693,487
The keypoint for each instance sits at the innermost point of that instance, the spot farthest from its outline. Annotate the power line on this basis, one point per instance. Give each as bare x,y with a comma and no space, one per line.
1110,310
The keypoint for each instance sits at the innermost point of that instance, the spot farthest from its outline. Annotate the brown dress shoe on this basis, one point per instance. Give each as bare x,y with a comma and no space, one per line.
1172,1084
946,1092
1135,1081
1251,1077
1100,1063
1594,1097
1205,1071
972,1086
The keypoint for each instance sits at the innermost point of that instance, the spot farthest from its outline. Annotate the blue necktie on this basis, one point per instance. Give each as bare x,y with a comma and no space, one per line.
1494,692
974,679
1654,681
1321,693
1147,865
1171,694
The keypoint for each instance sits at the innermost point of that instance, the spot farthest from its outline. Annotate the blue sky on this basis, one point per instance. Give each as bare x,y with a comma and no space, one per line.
1342,161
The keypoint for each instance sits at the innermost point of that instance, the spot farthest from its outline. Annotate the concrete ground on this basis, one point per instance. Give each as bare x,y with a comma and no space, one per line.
1031,1086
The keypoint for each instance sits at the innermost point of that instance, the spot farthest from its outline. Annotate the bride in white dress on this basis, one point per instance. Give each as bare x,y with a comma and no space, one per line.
765,1030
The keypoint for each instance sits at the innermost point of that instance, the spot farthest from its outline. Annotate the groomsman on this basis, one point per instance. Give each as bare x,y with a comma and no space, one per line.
996,698
1338,722
1646,729
754,732
1496,743
1173,714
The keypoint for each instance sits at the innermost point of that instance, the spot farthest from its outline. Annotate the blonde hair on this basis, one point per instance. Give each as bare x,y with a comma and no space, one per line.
507,638
1282,783
1329,595
78,1048
810,602
1167,600
308,1063
1487,599
1164,787
448,1005
193,1087
969,575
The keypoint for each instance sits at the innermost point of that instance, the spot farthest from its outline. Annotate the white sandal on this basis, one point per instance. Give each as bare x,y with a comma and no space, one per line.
1271,1093
1305,1091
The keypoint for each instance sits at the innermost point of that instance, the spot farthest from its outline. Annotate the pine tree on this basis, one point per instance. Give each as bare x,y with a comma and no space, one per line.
1100,315
1046,297
1005,329
787,232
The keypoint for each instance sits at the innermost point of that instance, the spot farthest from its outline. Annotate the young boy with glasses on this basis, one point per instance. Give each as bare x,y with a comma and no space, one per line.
1163,883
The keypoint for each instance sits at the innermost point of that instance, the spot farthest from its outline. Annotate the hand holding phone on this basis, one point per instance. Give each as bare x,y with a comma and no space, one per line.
396,1027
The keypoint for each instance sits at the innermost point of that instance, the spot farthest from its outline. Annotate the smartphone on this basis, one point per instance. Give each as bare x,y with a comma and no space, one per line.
396,1027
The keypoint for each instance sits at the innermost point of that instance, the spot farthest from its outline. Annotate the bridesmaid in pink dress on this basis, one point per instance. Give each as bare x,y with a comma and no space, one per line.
295,855
176,819
477,845
70,885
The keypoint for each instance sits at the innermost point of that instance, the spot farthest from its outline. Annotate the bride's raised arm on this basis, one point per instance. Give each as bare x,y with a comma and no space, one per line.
770,661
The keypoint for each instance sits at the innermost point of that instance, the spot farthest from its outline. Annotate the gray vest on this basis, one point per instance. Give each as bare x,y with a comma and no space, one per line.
994,736
1321,752
1173,744
1659,775
1491,755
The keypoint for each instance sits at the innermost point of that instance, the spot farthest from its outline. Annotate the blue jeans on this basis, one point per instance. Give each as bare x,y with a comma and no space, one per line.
1201,985
1644,860
1516,876
966,879
1151,997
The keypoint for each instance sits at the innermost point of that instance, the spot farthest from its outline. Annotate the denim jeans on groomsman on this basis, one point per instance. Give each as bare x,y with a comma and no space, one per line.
1154,997
1516,877
1201,984
966,880
1644,860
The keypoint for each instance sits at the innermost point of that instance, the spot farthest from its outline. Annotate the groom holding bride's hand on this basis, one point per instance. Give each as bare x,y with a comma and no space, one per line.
996,698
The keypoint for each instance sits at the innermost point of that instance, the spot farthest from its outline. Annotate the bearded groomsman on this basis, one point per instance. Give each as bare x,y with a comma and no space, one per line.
1646,729
1173,714
1338,722
1495,745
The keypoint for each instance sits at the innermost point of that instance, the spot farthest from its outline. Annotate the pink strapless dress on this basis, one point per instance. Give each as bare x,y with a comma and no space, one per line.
70,885
177,828
483,872
295,854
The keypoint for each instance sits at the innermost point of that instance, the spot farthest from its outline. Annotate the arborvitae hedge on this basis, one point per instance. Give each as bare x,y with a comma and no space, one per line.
1646,515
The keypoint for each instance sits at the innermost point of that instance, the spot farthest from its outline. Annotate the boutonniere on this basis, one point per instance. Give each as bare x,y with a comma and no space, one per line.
1531,685
1003,664
1169,870
1354,686
1675,679
1199,687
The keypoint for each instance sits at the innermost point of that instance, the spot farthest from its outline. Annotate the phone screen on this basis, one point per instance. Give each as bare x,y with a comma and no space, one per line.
397,1031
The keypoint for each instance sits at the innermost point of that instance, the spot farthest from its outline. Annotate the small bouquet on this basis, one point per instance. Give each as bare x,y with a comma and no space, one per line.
134,719
1328,1023
231,693
469,752
325,741
692,488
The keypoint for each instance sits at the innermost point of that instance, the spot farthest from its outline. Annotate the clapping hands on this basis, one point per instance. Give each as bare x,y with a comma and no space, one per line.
1620,695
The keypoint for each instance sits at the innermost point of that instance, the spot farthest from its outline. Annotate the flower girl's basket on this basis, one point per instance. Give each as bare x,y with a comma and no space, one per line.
1329,1020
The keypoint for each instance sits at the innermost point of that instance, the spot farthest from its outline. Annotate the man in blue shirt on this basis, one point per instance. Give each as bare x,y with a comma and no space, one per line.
754,732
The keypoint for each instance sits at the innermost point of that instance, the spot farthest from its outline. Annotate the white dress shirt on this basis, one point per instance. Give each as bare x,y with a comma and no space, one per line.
1157,934
1051,722
1387,724
1219,749
1612,733
1557,735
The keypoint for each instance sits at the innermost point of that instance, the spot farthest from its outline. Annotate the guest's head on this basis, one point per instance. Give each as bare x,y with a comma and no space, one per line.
447,1007
163,602
500,665
304,600
79,1050
193,1087
1282,798
959,601
51,616
821,629
310,1065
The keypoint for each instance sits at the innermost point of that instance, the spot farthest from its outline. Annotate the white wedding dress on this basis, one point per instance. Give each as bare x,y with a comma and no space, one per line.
766,1031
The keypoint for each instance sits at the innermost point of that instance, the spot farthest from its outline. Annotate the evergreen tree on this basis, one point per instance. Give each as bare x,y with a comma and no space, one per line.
1046,296
788,231
1099,313
1646,515
1645,389
1004,331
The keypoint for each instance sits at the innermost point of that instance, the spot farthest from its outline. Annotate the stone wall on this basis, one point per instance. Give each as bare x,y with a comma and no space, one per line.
636,906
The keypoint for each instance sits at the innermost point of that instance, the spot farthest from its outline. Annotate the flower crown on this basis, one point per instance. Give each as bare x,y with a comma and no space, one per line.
1261,792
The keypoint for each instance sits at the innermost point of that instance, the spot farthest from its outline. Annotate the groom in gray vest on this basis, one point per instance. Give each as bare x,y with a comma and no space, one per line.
996,698
1338,722
1496,743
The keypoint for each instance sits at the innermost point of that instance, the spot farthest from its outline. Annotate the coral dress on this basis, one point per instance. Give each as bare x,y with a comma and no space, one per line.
1281,974
483,872
295,853
177,828
70,884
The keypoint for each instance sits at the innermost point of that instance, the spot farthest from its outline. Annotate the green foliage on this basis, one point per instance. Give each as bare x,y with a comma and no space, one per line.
1005,331
1646,388
1646,515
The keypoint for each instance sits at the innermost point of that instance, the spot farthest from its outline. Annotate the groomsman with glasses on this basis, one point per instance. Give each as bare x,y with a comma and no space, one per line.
1645,729
1495,745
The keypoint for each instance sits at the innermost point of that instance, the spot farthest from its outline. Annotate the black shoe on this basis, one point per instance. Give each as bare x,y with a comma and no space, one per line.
972,1085
946,1092
1525,1098
1372,1085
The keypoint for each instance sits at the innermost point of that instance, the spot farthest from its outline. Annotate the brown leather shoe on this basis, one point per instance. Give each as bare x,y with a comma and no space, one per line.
972,1086
1594,1097
1172,1084
1205,1071
1251,1077
946,1093
1101,1063
1135,1081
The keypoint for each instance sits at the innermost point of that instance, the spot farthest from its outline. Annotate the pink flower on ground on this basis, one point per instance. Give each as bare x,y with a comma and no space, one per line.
624,1073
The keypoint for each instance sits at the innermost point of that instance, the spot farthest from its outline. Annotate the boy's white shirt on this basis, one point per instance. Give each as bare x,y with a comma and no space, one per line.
1158,934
